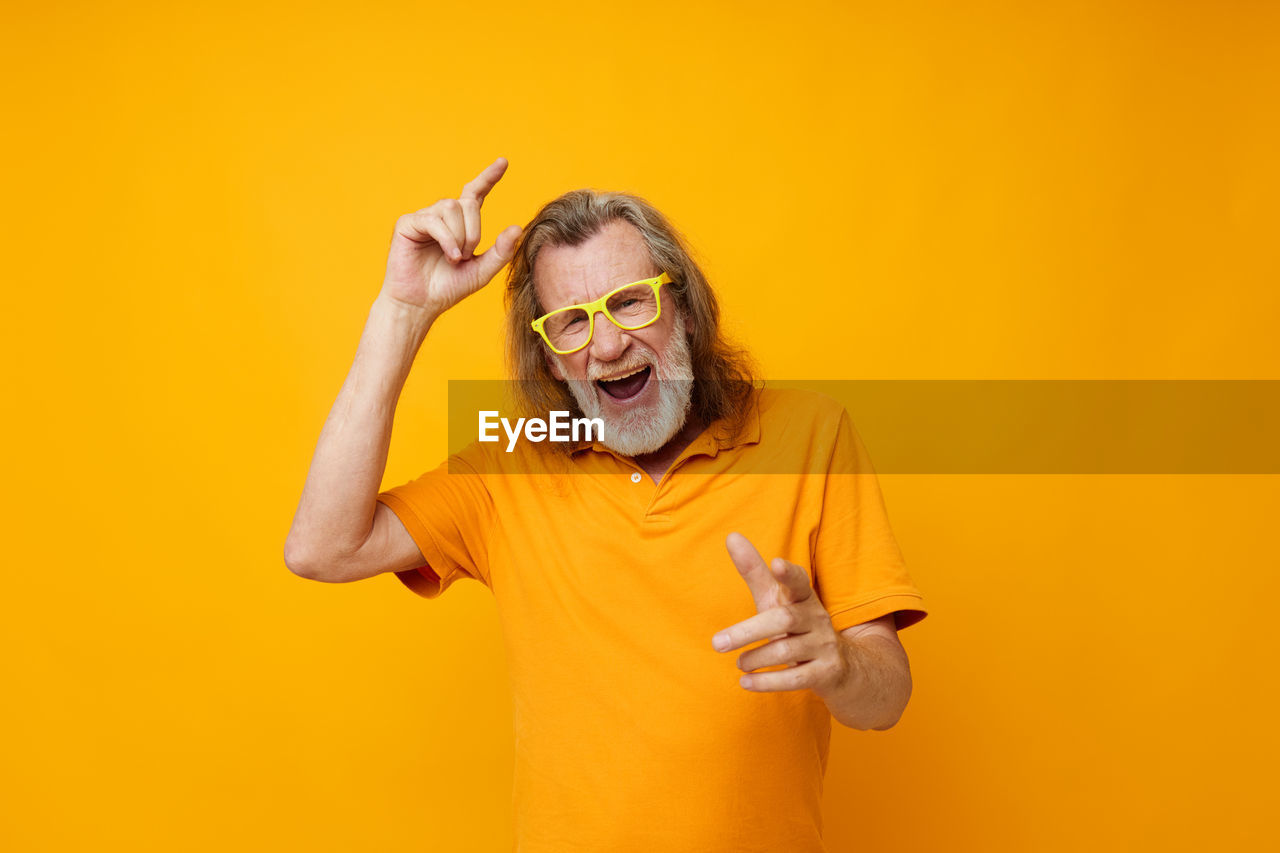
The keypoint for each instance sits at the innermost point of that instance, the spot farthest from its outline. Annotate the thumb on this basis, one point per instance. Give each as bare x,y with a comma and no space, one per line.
792,579
499,254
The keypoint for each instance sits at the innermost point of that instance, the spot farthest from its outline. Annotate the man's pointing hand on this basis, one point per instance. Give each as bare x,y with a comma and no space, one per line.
431,263
790,614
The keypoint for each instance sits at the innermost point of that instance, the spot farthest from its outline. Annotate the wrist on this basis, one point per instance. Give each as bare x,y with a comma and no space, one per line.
413,318
848,672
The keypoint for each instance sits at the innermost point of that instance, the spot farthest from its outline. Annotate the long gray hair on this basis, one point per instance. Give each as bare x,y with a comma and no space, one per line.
723,372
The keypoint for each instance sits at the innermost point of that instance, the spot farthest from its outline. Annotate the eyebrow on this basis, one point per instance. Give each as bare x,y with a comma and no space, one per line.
544,310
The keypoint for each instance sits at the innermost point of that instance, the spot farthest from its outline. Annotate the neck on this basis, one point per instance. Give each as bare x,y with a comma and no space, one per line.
656,463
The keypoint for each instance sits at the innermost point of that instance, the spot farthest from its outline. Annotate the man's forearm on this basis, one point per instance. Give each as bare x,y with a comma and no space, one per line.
874,692
335,513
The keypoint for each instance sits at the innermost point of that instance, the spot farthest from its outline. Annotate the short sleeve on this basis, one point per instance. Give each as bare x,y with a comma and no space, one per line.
859,571
449,513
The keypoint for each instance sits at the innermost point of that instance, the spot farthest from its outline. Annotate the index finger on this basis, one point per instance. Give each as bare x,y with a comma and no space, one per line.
753,569
479,186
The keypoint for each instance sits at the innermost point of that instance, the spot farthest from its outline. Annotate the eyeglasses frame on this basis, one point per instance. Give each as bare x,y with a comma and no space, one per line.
599,306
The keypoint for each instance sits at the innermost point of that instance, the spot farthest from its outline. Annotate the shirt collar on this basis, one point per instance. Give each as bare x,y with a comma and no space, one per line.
715,438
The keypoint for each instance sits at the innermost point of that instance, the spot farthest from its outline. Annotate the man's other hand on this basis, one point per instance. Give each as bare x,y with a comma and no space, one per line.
790,615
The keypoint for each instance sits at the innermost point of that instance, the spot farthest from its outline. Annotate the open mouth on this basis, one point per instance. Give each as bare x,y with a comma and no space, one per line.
626,387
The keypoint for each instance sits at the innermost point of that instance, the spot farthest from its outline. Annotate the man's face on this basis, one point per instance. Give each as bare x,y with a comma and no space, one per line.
639,382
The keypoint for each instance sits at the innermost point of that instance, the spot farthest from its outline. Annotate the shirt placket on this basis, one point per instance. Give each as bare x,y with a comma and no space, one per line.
647,497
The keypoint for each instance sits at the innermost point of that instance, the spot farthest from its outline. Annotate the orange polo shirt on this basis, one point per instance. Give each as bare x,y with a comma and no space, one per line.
632,733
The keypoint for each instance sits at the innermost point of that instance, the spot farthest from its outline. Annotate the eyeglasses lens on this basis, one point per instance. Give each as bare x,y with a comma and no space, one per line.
631,308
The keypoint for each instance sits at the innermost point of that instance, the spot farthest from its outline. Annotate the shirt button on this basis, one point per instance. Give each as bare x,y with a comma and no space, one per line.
635,477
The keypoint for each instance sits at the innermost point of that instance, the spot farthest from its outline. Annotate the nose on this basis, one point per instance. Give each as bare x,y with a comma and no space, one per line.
608,342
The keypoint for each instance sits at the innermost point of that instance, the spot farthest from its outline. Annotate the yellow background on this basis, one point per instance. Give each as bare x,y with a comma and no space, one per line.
199,200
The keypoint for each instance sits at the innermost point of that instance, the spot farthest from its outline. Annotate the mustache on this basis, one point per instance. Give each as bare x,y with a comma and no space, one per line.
599,370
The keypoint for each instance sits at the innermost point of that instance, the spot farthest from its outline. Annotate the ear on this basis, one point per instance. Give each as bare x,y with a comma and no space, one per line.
690,325
553,365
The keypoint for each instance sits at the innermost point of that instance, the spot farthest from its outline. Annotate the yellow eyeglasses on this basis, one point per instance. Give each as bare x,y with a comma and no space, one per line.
632,306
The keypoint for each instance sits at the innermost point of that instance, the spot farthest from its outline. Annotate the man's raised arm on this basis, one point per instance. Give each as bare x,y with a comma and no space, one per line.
340,533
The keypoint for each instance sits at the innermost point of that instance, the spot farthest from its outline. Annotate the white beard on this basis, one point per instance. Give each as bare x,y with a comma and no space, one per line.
640,431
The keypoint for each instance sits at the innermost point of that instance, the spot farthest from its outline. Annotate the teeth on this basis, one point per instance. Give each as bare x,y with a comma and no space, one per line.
623,375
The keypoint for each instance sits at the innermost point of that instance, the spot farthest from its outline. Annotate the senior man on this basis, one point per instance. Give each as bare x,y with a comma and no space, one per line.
662,700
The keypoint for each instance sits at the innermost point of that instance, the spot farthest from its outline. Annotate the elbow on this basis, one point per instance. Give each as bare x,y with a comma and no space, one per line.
885,725
304,564
894,713
882,723
886,711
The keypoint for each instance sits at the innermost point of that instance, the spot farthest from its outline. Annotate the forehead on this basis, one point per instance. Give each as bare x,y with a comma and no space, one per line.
615,255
